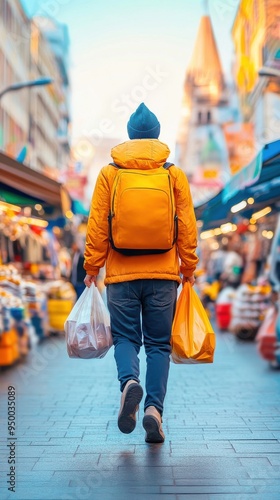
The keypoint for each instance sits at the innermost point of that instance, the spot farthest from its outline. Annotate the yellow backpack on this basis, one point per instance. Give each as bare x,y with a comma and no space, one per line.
142,218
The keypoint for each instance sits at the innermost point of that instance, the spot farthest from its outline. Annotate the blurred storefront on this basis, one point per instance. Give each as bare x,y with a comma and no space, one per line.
36,216
34,122
238,225
35,298
241,146
249,191
14,67
256,41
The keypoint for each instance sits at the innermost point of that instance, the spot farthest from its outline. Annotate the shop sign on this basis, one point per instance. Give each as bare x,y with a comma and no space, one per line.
75,185
210,174
240,144
246,177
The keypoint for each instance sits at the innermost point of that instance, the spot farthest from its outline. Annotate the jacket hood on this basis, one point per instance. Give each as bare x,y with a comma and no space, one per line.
142,154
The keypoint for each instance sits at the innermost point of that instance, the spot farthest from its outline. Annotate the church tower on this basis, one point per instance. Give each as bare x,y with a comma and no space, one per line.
200,147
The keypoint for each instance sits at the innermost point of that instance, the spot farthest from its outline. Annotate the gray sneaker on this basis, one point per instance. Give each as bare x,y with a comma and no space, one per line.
131,397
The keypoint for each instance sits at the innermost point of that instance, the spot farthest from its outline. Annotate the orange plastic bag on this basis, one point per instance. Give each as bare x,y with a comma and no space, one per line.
193,339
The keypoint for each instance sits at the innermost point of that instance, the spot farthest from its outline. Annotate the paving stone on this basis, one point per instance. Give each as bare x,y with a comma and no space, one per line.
30,451
67,441
273,426
196,471
176,457
254,461
274,459
190,490
116,477
32,476
208,482
74,433
105,448
39,493
23,464
267,472
193,497
85,462
268,488
67,449
252,446
246,496
260,482
40,442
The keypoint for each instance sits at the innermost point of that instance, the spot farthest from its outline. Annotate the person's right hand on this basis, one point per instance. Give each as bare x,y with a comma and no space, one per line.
89,279
190,279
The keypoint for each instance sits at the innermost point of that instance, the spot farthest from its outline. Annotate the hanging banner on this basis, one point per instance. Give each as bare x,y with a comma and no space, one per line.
75,185
240,144
246,177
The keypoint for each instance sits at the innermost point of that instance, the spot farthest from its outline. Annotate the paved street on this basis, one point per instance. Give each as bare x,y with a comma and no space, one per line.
222,425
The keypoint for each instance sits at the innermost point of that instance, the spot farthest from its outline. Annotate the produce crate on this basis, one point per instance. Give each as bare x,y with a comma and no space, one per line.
58,312
59,306
9,348
56,322
8,339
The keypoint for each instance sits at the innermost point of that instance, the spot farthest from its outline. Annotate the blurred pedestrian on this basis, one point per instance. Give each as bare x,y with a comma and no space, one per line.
233,263
141,289
216,264
77,269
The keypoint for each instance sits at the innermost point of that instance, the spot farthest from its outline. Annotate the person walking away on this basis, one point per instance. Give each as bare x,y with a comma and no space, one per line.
216,263
139,285
77,271
233,263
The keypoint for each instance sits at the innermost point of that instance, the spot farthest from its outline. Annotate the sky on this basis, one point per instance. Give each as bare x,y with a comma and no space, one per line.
125,52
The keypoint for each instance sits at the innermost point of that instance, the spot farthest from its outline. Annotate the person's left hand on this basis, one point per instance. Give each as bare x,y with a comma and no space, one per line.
191,279
89,279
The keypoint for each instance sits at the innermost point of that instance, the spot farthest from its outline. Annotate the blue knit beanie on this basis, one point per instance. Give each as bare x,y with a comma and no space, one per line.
143,124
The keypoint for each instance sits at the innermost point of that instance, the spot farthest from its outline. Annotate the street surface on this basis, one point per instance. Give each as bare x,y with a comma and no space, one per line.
222,425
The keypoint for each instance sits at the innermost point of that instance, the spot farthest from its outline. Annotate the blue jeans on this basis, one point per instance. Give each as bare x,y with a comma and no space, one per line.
79,288
143,309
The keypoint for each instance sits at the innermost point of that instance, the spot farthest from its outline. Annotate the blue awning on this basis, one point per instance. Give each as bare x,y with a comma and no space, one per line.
78,208
246,177
265,190
24,182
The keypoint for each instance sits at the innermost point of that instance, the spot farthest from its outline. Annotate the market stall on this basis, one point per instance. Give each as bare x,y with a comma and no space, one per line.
243,218
249,191
31,205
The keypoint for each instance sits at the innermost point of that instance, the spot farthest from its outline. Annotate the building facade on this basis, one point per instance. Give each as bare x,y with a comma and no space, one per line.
200,147
57,37
256,38
44,106
30,119
14,67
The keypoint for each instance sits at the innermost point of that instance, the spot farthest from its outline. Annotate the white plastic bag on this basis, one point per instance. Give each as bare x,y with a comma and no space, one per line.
87,328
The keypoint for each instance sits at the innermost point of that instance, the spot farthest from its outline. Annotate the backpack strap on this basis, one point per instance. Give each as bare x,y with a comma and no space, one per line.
114,165
167,165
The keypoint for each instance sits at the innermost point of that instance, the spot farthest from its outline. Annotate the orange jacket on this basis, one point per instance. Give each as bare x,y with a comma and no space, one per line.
140,154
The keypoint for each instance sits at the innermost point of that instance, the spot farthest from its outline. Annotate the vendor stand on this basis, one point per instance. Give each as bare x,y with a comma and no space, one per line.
30,204
247,208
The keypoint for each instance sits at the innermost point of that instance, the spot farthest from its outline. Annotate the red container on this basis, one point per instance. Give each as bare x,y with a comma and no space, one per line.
267,347
223,316
266,337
